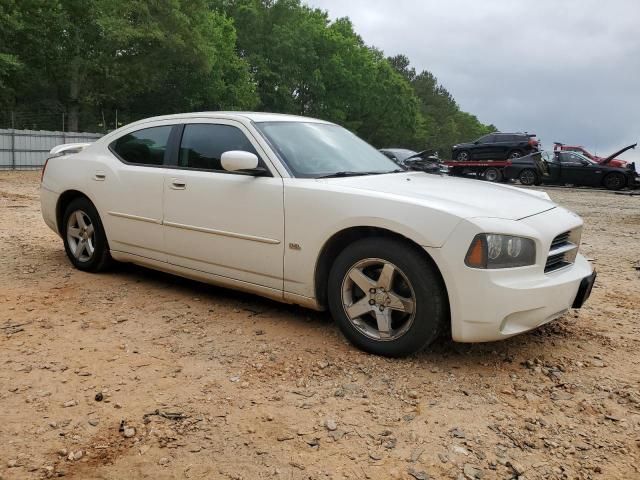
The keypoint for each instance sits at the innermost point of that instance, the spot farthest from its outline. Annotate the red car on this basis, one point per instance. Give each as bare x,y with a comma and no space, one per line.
611,160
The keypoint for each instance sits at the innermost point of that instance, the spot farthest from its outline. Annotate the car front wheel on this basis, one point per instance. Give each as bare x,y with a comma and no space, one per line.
386,297
614,181
84,238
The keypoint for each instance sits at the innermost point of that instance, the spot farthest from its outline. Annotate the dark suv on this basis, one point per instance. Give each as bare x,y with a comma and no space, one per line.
497,146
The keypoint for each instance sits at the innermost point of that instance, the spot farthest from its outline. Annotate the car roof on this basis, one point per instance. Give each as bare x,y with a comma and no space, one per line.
257,117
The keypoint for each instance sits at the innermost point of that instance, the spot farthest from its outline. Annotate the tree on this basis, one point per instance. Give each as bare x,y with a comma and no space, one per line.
302,63
142,57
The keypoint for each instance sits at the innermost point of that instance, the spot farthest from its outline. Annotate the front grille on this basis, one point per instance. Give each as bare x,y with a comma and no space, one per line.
560,240
563,251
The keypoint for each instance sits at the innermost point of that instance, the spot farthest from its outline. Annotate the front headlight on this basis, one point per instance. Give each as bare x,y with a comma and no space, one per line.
491,250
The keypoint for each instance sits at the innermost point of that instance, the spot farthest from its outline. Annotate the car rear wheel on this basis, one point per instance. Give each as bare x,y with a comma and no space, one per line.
386,297
528,177
615,181
492,175
463,156
84,239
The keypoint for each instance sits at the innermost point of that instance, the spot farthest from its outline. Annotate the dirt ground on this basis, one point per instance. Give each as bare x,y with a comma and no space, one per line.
198,382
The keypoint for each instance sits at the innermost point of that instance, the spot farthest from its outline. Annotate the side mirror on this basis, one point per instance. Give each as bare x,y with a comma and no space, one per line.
476,142
237,160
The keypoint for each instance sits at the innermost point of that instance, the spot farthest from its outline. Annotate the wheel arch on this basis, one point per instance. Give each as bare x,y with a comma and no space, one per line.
341,239
63,202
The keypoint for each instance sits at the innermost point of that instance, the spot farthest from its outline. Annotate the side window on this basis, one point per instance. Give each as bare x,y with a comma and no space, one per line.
486,139
203,144
143,147
569,158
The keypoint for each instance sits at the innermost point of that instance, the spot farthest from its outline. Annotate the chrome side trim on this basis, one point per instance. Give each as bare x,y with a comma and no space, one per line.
222,233
135,217
567,247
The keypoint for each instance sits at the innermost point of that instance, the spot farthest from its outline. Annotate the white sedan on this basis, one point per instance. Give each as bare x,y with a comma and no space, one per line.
304,212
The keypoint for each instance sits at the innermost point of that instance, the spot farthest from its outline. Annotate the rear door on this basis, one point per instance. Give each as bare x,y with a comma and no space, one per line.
485,148
131,191
226,224
502,145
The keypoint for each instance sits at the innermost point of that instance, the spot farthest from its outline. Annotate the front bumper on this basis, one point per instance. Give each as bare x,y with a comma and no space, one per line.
489,305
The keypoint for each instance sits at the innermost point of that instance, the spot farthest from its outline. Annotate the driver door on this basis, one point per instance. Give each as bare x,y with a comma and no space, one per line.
222,223
578,171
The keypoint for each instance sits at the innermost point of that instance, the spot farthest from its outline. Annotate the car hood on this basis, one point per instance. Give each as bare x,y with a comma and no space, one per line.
465,198
619,152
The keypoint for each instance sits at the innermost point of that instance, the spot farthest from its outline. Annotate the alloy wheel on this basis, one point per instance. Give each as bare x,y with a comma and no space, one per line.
378,299
81,236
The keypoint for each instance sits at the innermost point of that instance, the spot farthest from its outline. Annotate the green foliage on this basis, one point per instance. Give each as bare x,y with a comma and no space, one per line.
138,56
304,64
145,57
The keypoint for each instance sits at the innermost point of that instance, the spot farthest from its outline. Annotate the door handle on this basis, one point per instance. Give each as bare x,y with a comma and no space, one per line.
99,177
178,184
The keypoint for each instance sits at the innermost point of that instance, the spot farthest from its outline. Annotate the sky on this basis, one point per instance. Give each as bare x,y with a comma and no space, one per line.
567,70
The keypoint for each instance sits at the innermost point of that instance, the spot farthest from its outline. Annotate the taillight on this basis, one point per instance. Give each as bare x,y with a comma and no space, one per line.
44,167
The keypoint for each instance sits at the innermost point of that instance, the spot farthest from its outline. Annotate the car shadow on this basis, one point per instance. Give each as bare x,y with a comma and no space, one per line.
540,342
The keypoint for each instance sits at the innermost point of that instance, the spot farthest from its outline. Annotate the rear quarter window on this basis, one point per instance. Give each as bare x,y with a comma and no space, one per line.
143,147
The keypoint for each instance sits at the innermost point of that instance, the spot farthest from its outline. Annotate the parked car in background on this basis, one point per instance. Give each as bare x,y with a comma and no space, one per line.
397,256
425,161
569,168
496,146
611,160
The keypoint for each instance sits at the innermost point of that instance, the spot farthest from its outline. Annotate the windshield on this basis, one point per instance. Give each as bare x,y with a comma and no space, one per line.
584,158
566,156
313,150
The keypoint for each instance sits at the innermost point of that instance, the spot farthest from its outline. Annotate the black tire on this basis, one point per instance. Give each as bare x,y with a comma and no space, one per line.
492,174
528,177
99,258
514,154
615,181
463,156
423,284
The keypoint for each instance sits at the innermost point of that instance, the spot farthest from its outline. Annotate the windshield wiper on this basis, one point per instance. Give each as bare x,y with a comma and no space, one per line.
356,174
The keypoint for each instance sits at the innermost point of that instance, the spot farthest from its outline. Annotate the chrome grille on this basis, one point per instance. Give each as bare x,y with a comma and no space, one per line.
563,251
560,240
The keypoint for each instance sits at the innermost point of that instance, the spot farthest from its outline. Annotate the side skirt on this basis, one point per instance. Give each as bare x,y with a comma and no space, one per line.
218,280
